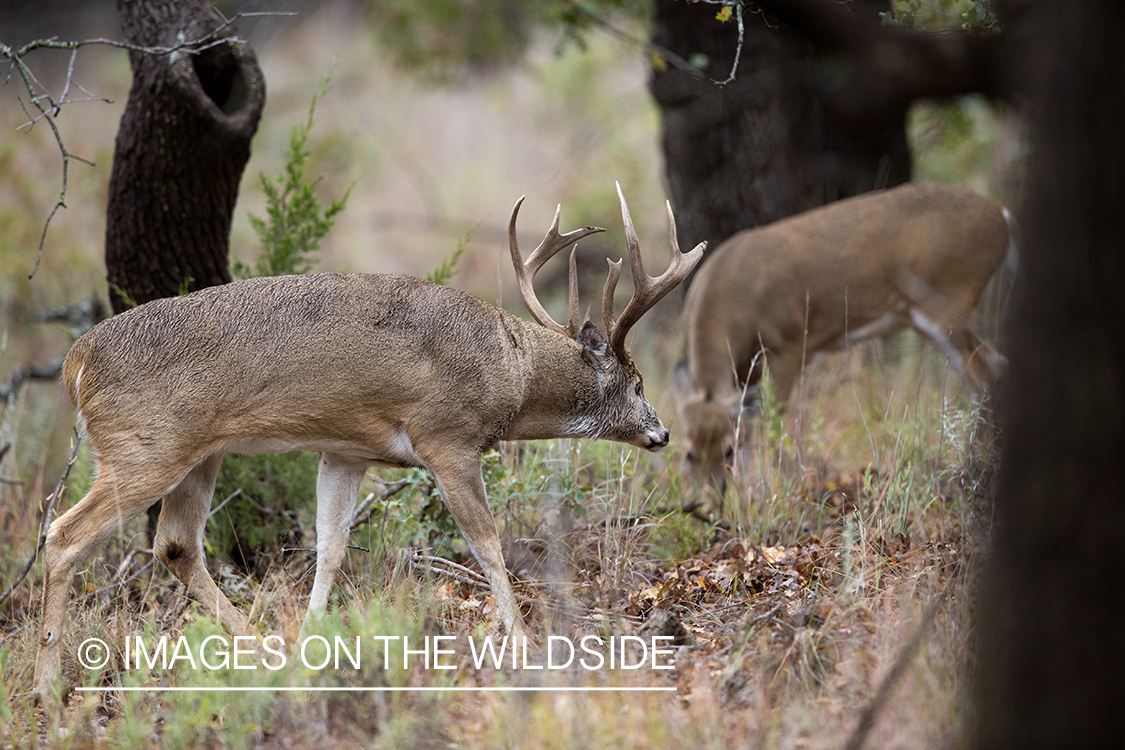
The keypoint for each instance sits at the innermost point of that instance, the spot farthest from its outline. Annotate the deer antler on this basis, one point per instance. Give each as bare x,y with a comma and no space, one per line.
525,272
648,290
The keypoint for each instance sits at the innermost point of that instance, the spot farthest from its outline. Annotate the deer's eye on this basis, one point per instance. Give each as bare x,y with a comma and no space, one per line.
692,458
728,454
640,389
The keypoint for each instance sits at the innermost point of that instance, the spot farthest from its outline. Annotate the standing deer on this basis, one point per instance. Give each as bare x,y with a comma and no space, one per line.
919,255
365,369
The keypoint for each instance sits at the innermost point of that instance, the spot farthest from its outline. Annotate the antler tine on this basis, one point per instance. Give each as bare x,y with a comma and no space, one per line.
552,243
636,267
572,295
673,239
648,290
607,294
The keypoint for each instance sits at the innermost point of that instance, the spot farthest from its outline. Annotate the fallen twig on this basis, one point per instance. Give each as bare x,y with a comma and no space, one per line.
226,500
767,616
116,584
871,713
367,507
447,567
431,563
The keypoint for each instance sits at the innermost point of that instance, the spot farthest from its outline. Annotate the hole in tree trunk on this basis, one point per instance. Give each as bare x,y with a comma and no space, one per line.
221,77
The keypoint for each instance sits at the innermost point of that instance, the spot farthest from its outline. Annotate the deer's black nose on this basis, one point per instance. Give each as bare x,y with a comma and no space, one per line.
658,439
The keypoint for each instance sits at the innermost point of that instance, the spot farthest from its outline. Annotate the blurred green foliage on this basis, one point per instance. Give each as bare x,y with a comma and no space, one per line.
961,142
276,503
443,36
934,15
296,220
443,273
442,40
521,484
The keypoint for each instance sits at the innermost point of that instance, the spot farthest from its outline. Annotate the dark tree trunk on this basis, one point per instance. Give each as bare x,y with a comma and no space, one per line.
764,146
181,148
1052,652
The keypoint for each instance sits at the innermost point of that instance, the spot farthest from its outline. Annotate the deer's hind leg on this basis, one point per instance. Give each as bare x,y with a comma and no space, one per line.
975,361
981,363
179,541
117,497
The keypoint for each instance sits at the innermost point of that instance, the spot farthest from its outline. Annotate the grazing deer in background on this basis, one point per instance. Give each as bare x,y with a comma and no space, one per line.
919,255
365,369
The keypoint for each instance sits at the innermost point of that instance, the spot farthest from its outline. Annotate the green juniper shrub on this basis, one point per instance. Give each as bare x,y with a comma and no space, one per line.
296,220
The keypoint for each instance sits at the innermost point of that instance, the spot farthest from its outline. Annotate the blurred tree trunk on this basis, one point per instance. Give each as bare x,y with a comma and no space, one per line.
181,148
1051,657
763,146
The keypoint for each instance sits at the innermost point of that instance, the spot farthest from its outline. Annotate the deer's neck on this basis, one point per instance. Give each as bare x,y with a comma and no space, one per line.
560,387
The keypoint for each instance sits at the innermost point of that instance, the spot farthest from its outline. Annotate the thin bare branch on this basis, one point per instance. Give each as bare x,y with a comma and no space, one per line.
30,82
738,50
16,380
116,584
419,560
226,500
386,491
48,113
192,46
48,516
658,50
69,78
902,661
737,5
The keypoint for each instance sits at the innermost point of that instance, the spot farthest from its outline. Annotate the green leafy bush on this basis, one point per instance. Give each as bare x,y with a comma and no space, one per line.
276,502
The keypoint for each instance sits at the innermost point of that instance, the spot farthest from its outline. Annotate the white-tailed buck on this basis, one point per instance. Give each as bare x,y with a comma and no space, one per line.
366,370
919,255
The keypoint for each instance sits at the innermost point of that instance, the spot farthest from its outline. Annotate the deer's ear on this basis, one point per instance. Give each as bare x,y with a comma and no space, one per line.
595,348
592,339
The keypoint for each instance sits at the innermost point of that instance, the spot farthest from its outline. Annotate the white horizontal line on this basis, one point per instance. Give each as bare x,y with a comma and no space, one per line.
311,689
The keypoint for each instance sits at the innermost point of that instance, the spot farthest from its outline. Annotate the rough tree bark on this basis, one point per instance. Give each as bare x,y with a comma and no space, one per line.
1051,654
181,148
764,146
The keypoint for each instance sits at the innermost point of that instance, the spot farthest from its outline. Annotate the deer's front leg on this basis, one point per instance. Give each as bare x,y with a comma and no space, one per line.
461,484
